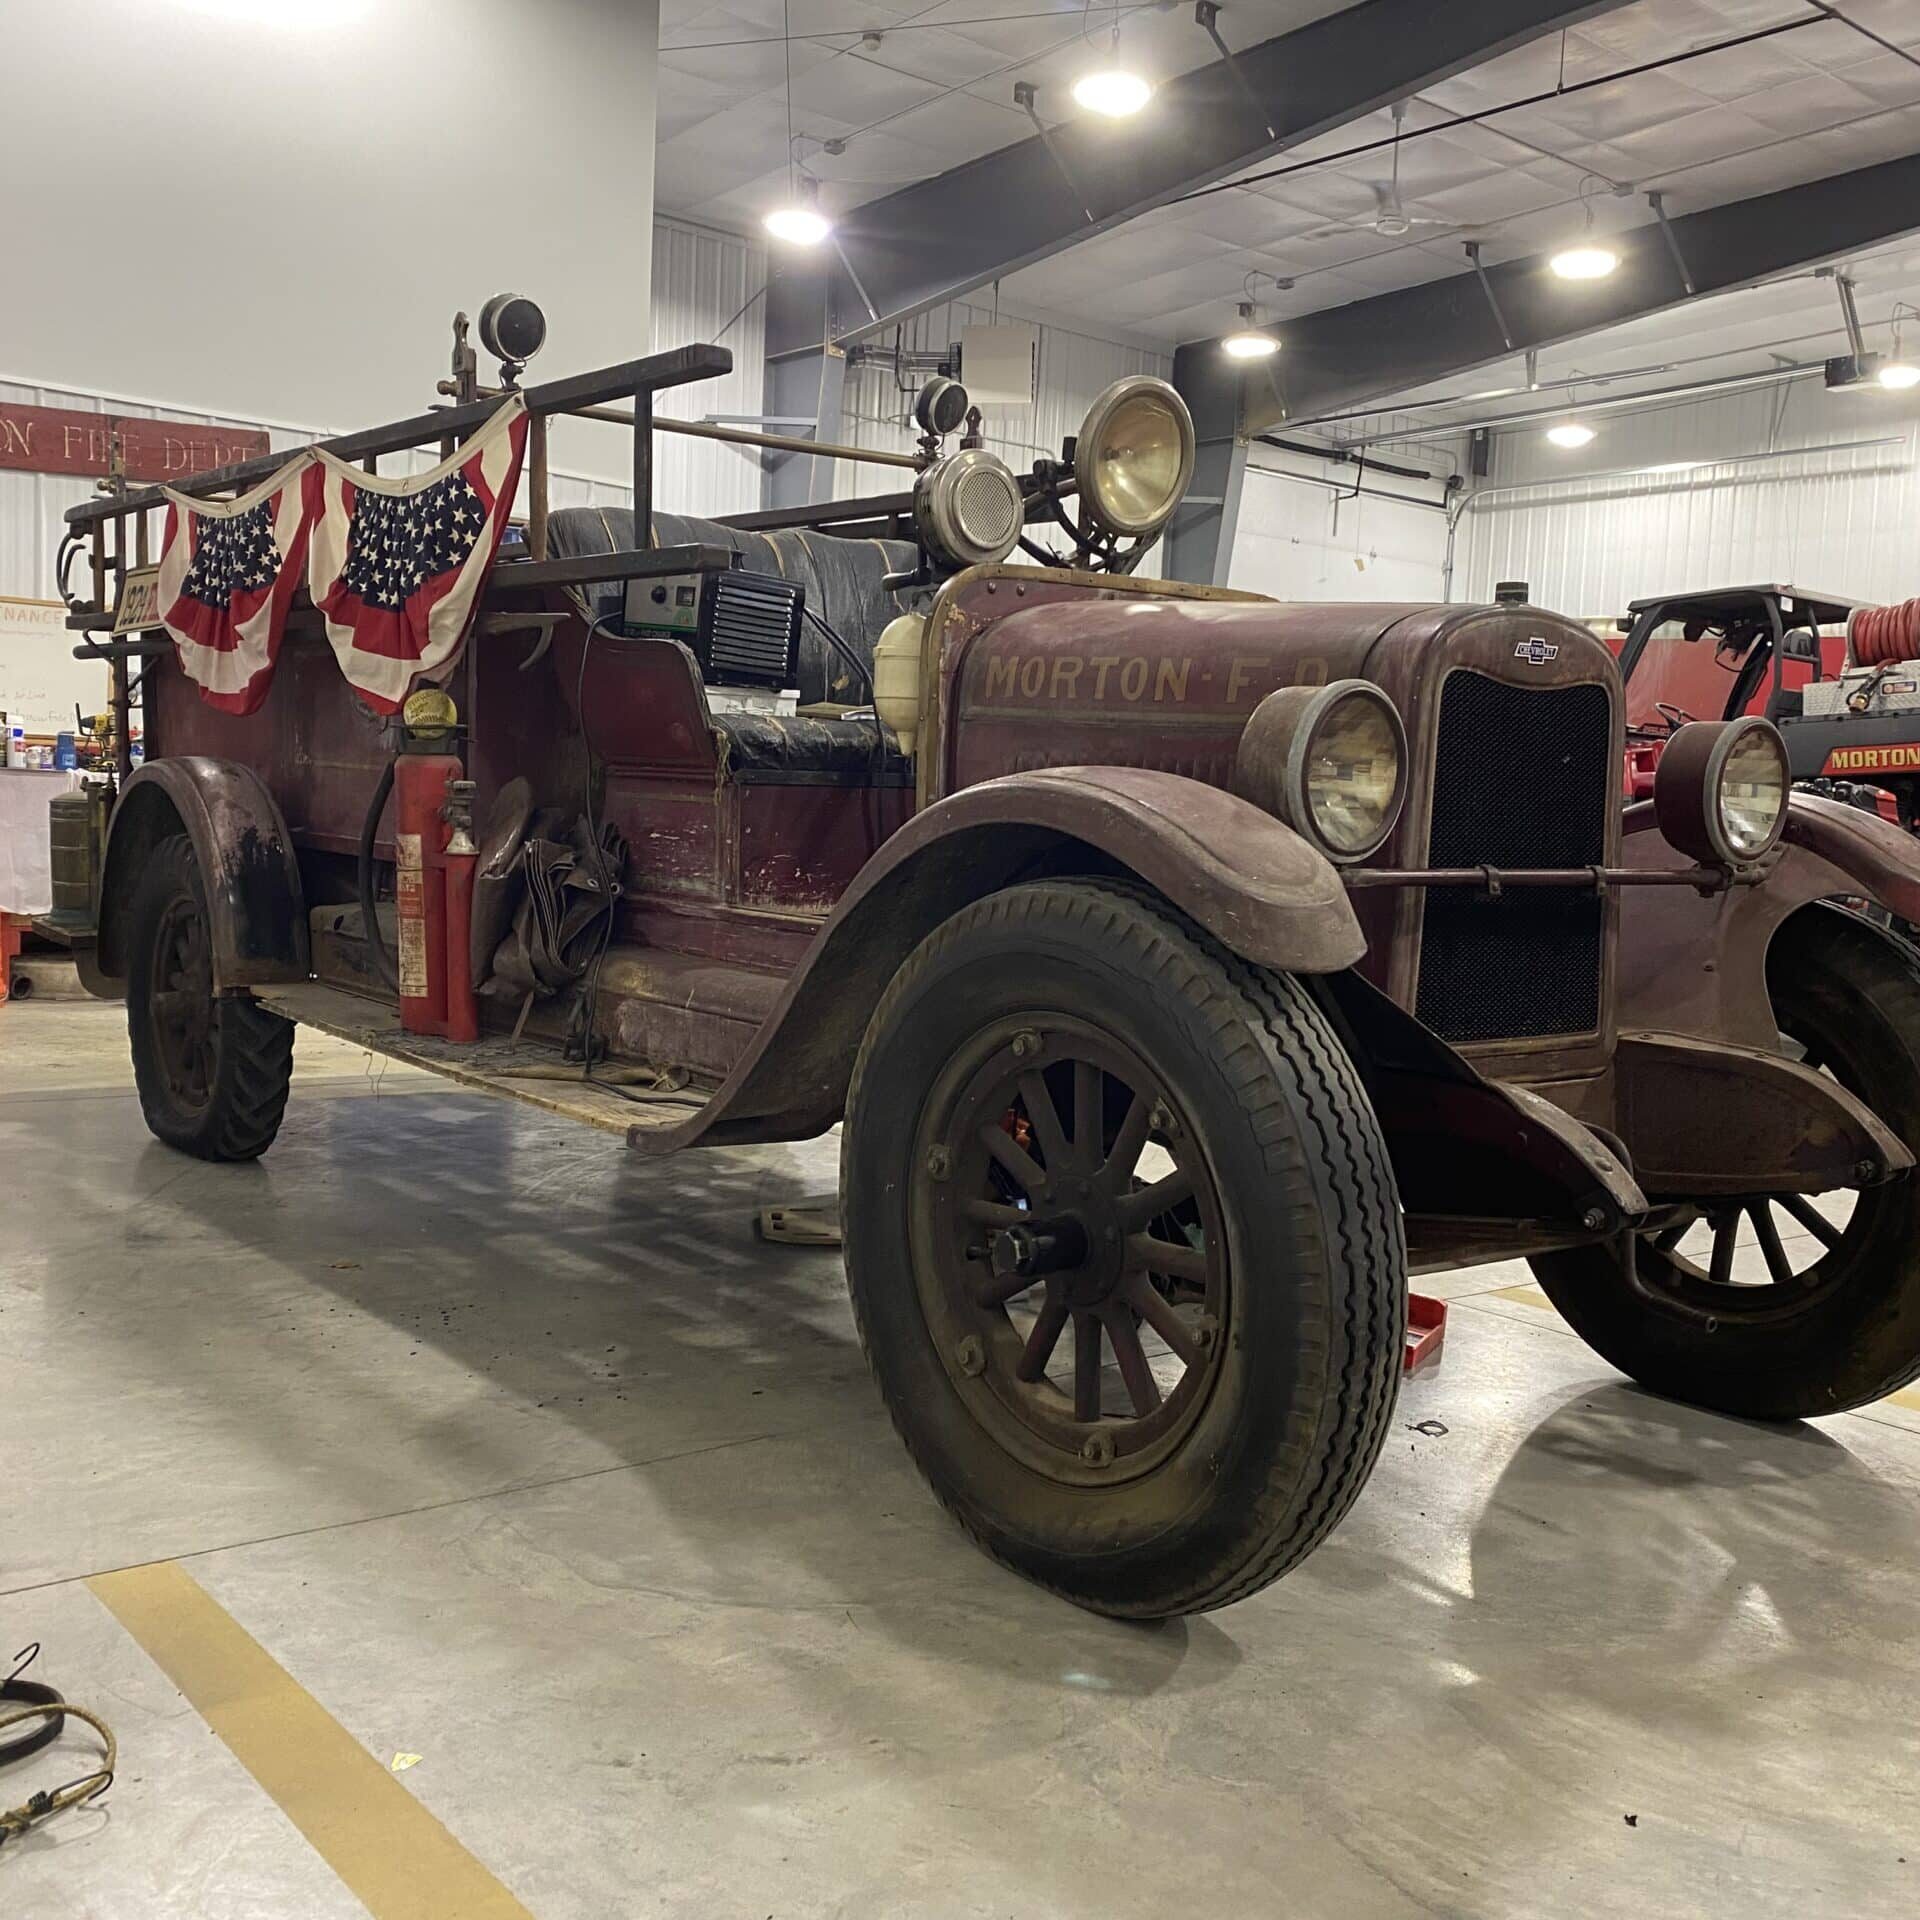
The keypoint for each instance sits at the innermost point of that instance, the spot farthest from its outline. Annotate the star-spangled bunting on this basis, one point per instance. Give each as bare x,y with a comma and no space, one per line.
396,565
227,575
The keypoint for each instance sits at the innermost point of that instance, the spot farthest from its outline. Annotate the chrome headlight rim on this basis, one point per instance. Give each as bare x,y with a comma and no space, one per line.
1091,445
938,515
1689,789
1275,761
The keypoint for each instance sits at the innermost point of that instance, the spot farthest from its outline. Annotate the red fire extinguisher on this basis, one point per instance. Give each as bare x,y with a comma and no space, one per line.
434,861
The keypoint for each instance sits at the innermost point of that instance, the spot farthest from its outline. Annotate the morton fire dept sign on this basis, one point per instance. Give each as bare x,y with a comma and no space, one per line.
67,440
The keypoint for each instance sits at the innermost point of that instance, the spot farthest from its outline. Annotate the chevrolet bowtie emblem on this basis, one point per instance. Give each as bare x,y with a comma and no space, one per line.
1535,651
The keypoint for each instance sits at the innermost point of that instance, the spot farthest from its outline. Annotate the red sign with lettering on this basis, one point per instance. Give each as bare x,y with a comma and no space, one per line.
65,440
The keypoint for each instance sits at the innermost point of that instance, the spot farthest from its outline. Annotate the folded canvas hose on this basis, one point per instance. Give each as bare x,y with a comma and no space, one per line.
559,921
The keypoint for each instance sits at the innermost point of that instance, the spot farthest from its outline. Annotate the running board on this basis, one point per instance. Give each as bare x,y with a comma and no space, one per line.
490,1065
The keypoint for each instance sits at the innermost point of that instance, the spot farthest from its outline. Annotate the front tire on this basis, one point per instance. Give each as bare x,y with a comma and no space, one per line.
1836,1321
1124,1248
212,1072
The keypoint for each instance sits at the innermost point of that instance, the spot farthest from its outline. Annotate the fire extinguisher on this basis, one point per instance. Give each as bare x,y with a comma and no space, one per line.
435,858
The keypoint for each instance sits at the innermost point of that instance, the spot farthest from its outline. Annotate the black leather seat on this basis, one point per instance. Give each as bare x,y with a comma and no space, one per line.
841,579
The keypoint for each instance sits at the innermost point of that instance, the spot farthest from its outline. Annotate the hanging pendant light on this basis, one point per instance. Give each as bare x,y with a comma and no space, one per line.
800,223
1113,90
1250,340
1586,258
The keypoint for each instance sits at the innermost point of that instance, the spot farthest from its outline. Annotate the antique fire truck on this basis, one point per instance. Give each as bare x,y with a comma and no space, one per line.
1183,969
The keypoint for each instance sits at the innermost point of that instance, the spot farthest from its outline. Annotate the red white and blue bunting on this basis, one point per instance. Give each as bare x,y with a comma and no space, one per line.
394,566
227,575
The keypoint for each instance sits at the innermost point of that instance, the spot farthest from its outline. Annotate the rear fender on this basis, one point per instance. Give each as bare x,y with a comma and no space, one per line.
1250,881
257,919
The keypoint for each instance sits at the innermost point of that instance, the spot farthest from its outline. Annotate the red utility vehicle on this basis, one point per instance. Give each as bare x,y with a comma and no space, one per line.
1183,968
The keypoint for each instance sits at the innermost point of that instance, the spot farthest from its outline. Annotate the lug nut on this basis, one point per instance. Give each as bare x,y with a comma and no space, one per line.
1161,1120
1204,1335
970,1356
939,1163
1593,1219
1866,1170
1097,1449
1025,1042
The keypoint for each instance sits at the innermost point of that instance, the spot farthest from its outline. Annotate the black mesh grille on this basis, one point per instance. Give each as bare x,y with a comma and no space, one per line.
1523,777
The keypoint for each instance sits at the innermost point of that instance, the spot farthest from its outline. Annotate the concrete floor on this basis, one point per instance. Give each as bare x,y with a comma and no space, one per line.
526,1458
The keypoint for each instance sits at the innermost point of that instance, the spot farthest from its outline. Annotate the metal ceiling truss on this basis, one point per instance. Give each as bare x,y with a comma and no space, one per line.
1340,359
940,238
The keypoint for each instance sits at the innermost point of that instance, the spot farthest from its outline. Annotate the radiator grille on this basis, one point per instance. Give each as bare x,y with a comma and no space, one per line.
1523,777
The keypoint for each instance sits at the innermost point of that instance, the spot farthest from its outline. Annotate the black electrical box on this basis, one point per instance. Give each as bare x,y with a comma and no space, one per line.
742,627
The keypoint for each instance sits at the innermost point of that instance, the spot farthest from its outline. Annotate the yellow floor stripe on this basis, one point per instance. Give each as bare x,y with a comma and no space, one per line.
398,1859
1527,1296
1906,1397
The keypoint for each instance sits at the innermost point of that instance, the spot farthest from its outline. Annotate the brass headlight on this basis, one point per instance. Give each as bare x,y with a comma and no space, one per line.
1329,761
1720,790
1133,459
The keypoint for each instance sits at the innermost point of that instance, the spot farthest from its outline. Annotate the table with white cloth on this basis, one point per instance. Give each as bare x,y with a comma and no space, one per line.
26,847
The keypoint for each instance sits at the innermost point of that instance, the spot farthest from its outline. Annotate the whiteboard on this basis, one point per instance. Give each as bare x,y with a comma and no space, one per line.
40,680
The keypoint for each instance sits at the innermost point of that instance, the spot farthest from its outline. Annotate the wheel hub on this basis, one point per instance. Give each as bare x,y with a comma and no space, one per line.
1071,1251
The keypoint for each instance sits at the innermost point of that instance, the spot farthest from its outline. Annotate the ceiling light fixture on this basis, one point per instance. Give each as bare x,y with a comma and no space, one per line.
1250,340
1899,375
1586,259
1113,90
800,223
1570,433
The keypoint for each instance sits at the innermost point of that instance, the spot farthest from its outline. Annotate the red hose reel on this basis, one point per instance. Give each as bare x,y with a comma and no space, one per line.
1880,636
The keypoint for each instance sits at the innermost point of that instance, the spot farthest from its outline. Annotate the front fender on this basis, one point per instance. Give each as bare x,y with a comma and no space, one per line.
1882,860
1698,964
256,915
1249,880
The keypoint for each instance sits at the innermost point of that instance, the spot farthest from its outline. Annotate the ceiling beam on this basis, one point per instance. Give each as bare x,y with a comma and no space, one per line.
942,237
1342,358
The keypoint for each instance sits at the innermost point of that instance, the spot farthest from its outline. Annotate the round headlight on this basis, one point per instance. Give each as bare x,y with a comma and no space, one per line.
1133,460
1329,761
1720,790
969,509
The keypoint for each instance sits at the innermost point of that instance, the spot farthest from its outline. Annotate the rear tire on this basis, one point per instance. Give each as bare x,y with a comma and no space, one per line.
1046,1060
212,1072
1844,1329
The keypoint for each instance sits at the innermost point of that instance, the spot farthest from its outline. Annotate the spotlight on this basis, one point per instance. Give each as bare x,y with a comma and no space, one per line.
1900,374
800,223
1250,340
1570,433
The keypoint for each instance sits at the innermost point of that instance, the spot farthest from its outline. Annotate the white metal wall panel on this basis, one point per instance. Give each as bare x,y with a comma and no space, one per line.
1074,368
1773,484
701,283
1305,535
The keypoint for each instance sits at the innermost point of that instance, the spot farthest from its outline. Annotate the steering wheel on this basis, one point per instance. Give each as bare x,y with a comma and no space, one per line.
1675,717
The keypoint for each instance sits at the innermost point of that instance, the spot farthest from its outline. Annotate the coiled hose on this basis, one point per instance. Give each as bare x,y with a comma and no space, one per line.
1881,636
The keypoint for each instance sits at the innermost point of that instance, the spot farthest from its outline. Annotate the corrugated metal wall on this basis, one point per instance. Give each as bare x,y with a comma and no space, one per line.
1786,483
701,282
1074,367
1305,534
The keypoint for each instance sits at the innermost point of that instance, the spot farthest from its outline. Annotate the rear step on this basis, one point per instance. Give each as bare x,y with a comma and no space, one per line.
489,1065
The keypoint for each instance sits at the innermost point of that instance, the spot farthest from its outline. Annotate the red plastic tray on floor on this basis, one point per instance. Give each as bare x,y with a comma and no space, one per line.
1426,1330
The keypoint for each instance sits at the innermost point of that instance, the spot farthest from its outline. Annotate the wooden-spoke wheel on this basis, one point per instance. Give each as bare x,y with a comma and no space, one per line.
1068,1246
1782,1305
1123,1247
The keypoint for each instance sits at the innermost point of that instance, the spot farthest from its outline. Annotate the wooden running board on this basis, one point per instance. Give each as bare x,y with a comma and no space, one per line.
488,1065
